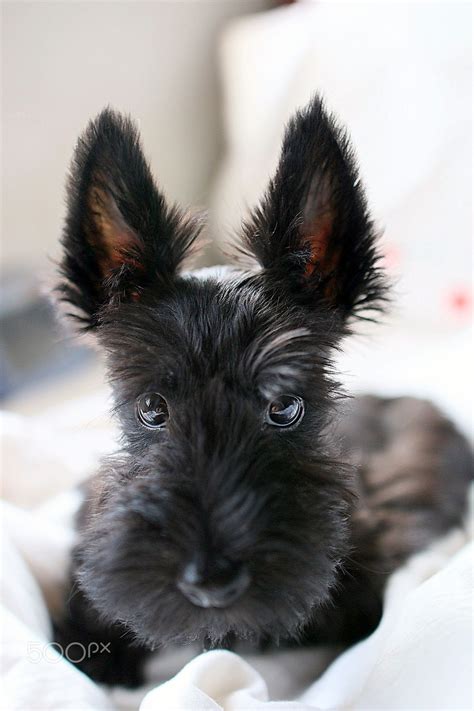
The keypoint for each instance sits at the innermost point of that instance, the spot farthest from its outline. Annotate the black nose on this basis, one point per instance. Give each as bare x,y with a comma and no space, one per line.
217,587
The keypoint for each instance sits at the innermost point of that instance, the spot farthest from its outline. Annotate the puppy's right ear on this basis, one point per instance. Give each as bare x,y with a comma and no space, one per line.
312,232
120,238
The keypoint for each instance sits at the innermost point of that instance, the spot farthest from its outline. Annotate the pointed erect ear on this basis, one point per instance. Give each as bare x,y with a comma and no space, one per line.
120,237
312,231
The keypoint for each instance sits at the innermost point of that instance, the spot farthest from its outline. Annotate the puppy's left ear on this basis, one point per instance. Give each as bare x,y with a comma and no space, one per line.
120,237
312,232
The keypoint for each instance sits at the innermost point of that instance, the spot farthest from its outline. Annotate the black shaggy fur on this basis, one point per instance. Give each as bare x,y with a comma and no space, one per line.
110,182
317,513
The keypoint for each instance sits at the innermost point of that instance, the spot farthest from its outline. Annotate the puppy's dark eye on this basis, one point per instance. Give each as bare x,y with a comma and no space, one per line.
152,411
287,410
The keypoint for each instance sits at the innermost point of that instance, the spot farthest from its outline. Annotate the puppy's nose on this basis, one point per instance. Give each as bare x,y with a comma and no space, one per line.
216,588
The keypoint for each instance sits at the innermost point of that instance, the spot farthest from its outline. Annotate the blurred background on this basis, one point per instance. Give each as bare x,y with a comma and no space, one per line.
211,85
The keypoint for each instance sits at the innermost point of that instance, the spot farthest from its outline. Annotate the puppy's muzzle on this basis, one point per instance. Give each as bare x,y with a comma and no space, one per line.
220,589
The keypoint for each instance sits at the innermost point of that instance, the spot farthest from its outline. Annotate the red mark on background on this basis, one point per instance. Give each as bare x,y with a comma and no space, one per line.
459,301
391,257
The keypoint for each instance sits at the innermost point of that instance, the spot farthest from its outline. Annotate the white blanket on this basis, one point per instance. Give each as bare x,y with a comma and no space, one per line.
420,657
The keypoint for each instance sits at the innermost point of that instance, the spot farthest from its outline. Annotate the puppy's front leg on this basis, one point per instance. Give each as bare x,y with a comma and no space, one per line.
106,653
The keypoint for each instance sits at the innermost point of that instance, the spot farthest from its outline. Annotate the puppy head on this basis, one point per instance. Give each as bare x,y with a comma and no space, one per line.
226,510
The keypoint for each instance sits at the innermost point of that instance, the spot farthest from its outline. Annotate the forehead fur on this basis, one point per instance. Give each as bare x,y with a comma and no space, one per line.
216,324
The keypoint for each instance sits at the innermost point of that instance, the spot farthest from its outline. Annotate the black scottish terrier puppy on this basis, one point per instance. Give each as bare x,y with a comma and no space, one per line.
244,502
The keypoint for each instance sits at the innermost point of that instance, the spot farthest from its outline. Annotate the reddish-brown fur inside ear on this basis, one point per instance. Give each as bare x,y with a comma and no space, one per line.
323,257
318,242
116,243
